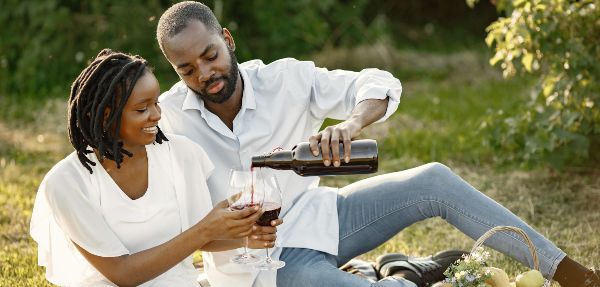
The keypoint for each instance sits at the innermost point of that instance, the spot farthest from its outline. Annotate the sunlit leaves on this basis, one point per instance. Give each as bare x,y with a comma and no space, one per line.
558,41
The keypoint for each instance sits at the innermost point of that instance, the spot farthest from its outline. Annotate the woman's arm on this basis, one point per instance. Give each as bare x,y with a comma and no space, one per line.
135,269
220,225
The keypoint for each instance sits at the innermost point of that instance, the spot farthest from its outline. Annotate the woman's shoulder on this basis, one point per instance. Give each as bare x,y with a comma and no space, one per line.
65,168
66,177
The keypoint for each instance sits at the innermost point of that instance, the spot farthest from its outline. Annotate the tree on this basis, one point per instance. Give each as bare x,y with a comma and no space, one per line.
559,42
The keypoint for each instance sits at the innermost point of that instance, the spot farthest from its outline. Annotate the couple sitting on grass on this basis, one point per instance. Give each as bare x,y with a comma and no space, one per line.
147,182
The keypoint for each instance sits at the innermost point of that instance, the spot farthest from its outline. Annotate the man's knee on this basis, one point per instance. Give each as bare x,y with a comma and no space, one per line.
437,173
436,168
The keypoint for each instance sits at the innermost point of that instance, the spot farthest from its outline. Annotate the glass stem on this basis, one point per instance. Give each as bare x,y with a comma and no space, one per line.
268,259
246,246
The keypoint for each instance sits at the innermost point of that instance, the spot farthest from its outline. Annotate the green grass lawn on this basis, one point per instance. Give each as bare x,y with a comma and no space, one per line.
445,99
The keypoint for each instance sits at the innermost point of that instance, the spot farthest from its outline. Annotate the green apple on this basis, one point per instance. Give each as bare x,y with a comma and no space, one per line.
499,278
531,278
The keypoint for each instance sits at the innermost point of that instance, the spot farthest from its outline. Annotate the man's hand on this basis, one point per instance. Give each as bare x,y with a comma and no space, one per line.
364,114
330,138
264,236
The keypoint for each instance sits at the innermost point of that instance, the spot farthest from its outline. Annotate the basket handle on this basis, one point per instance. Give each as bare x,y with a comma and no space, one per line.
489,233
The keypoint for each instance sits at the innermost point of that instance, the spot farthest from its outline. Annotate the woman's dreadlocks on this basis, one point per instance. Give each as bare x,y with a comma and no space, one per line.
103,86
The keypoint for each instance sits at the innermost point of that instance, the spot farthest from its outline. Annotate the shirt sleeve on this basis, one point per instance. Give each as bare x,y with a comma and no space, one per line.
334,94
62,199
81,220
63,214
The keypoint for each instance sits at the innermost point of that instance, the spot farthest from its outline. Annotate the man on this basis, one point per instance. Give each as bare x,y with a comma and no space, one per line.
237,111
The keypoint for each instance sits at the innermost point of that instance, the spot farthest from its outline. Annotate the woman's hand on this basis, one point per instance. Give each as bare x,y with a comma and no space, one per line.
264,236
221,223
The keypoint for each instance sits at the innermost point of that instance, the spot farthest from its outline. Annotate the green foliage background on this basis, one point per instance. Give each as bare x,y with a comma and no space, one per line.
44,44
558,41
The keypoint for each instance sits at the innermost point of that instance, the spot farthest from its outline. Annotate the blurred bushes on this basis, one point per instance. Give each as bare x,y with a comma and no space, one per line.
559,42
45,43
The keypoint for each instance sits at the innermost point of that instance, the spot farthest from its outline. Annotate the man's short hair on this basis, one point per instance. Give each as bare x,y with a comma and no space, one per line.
178,16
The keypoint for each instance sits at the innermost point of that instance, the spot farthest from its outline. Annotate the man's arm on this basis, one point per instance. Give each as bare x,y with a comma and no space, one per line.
364,113
358,98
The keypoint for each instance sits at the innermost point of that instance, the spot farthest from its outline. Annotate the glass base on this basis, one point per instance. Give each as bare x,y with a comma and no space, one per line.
245,258
269,264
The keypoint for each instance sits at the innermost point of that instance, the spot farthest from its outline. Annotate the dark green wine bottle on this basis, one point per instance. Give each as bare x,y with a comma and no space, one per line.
363,159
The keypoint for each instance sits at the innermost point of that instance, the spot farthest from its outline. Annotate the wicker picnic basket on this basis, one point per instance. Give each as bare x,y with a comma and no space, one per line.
518,231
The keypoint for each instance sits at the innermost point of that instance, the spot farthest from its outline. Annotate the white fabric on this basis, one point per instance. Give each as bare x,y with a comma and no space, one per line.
157,208
73,205
283,103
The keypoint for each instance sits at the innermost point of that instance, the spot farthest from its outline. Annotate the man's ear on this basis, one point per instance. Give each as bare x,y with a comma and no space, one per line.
228,39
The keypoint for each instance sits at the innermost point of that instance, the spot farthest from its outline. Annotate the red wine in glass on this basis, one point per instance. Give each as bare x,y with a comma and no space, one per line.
243,206
272,207
271,213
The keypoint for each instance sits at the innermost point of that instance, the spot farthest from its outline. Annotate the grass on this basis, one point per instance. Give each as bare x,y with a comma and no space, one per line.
445,99
32,139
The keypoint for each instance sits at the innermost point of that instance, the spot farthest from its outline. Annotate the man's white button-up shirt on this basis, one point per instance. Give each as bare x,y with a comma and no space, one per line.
283,103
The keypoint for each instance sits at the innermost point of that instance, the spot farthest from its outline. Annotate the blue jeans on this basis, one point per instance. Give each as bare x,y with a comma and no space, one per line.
373,210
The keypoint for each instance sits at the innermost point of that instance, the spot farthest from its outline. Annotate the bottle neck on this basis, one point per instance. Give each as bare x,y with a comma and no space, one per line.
275,160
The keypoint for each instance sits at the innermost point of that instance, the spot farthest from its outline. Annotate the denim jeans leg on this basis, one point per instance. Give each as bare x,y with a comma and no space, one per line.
312,268
373,210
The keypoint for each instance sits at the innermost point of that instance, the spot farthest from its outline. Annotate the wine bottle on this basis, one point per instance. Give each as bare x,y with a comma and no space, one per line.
363,159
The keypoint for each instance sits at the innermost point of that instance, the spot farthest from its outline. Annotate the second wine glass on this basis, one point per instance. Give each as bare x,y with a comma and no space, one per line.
267,183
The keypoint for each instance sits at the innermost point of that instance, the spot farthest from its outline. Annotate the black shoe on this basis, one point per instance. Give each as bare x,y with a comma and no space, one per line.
361,268
428,270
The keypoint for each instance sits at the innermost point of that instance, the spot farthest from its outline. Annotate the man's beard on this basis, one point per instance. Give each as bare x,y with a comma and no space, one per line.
229,80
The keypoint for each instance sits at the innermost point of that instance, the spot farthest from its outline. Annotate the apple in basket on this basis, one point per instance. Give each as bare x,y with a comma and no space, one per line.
499,278
531,278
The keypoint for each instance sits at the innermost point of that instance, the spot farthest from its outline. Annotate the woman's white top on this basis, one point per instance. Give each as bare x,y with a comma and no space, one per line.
91,210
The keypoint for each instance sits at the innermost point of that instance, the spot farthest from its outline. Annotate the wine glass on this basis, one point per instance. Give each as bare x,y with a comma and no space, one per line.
272,207
241,195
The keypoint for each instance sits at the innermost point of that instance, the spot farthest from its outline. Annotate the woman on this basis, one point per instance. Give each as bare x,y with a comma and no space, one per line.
129,206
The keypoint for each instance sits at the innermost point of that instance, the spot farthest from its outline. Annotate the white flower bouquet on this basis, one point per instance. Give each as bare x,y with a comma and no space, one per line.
471,271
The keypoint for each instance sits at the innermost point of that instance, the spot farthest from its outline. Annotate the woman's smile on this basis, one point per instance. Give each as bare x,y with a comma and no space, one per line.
151,130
